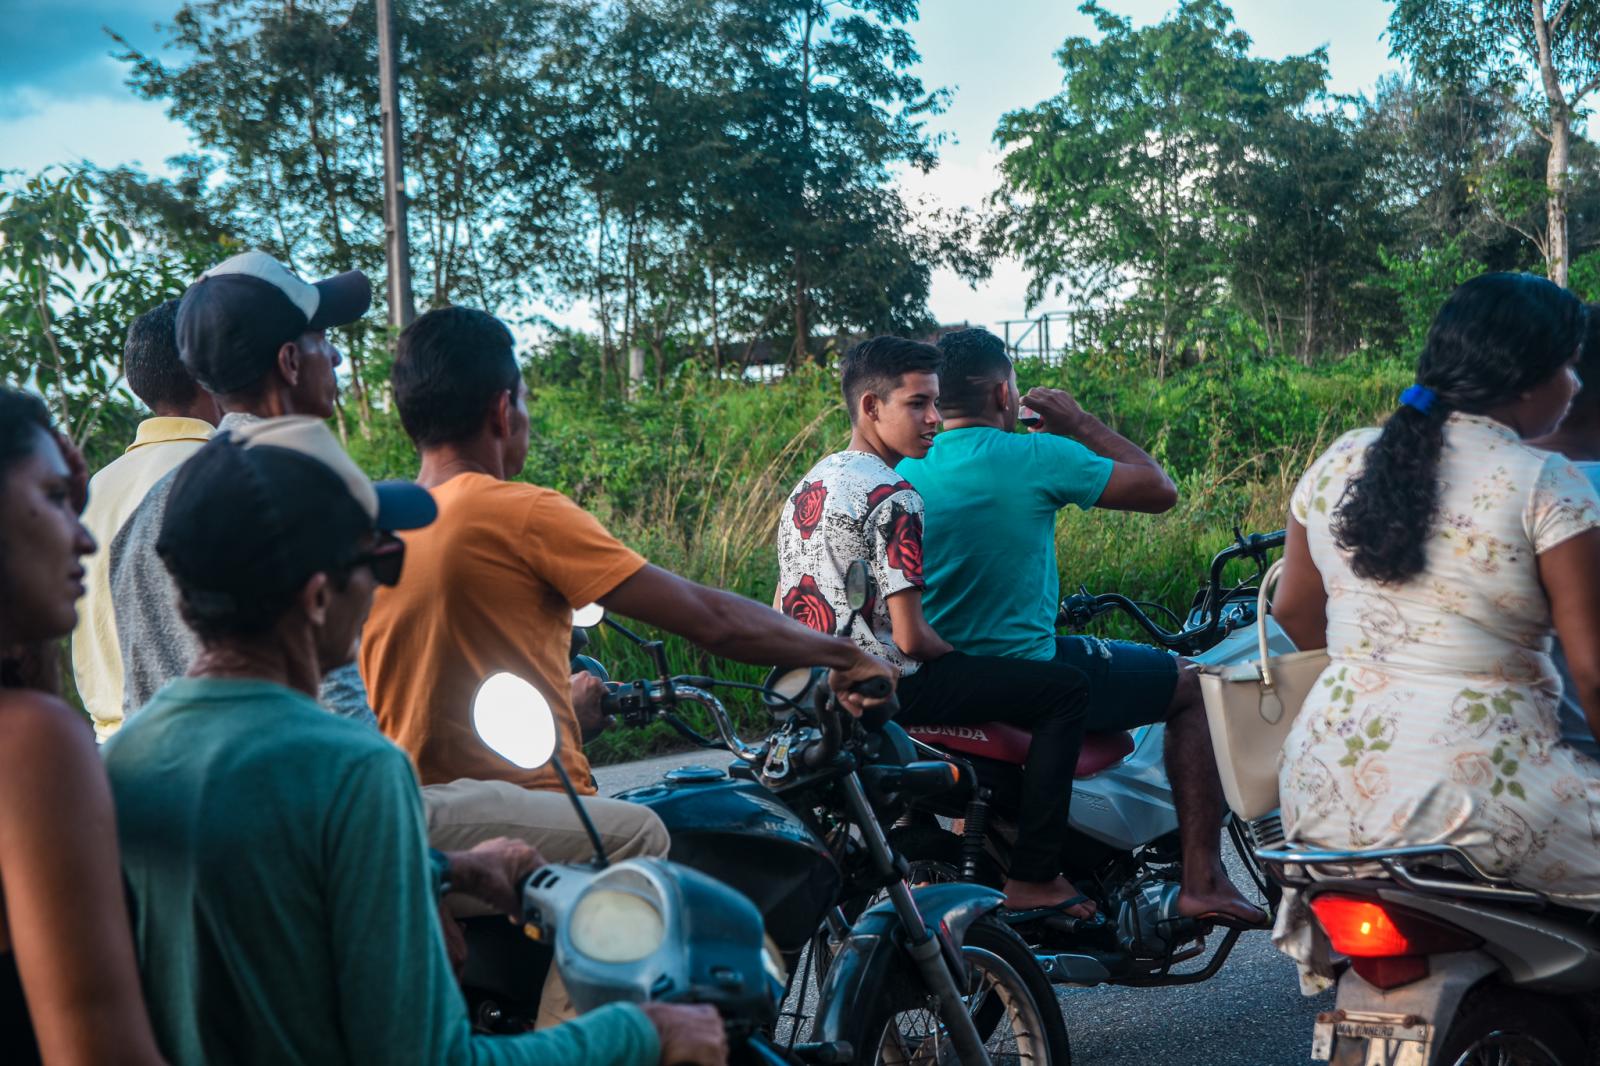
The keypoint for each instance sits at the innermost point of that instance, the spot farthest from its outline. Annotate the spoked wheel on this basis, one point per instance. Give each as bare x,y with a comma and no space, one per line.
920,872
1007,996
1500,1027
1508,1049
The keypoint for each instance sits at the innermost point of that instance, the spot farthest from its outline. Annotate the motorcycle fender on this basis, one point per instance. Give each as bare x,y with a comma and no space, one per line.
1435,999
874,956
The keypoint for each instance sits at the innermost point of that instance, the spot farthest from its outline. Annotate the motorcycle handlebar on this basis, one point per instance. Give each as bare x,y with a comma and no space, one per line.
649,693
1077,610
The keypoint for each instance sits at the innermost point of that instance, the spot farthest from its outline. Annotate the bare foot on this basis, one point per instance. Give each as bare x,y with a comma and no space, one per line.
1026,895
1220,899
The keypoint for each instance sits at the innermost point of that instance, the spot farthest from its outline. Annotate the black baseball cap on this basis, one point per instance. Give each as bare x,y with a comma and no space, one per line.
232,321
259,509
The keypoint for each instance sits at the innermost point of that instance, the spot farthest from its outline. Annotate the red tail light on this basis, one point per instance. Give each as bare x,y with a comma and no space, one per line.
1387,945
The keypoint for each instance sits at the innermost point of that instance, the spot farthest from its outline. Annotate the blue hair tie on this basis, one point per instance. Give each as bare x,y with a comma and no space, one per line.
1420,397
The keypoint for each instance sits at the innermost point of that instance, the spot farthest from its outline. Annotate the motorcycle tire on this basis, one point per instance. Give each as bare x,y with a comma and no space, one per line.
1018,1009
934,857
1497,1026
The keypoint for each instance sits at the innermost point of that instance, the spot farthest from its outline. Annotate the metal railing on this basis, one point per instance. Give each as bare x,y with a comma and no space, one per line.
1394,862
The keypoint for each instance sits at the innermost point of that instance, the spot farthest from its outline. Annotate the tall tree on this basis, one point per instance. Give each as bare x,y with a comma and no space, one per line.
1114,185
831,107
1552,45
73,275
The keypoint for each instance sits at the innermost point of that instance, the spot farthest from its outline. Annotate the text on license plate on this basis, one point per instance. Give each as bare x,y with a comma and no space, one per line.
1371,1040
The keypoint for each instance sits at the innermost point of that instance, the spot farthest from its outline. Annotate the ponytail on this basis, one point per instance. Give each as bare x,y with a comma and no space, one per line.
1496,337
1389,508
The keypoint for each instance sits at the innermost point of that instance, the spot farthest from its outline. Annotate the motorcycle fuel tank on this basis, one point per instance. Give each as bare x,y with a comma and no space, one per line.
742,835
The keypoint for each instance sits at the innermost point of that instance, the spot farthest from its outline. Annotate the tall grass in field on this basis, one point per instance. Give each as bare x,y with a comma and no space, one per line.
696,479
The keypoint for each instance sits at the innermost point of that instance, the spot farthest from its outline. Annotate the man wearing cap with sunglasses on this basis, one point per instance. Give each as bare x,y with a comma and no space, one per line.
255,335
277,854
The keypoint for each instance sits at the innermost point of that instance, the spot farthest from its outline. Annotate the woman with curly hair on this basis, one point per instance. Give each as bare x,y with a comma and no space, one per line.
1434,558
69,986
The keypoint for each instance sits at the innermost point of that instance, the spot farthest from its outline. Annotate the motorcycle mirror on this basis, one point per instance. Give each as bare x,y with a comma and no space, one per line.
514,719
786,686
588,616
858,585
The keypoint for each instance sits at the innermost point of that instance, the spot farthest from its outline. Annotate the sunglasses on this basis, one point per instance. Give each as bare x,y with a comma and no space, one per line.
385,558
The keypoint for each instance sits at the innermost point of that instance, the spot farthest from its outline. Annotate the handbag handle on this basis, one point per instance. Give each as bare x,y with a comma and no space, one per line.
1263,605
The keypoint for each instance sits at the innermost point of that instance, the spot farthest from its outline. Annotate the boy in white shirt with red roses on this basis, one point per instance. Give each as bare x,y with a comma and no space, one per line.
852,505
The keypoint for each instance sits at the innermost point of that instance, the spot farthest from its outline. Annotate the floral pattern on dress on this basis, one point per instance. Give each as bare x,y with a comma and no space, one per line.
1435,721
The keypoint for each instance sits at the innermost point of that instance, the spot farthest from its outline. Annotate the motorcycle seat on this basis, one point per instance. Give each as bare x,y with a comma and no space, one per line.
1007,743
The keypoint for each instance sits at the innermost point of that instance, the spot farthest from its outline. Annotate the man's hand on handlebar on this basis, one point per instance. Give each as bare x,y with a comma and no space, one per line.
867,668
587,692
690,1034
493,872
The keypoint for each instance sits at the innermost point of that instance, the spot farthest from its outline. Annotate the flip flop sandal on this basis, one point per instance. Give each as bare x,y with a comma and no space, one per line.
1054,914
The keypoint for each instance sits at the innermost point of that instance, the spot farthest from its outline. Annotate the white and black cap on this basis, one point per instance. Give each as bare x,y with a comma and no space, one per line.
232,321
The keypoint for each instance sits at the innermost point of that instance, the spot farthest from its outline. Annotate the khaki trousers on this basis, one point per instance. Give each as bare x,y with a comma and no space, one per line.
464,813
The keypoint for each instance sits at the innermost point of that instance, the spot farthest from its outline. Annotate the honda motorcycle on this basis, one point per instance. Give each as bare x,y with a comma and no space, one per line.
1123,848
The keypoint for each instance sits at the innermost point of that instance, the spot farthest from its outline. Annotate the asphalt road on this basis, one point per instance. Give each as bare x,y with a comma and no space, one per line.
1250,1014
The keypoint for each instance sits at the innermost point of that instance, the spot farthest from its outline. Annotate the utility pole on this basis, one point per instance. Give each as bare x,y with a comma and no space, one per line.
397,243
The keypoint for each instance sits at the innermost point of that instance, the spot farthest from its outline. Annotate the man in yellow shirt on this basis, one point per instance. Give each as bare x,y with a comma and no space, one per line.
184,416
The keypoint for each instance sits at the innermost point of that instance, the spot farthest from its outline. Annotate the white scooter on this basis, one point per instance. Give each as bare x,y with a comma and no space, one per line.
1123,846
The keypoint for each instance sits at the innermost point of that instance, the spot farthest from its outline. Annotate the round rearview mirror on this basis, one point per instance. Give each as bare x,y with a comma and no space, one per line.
786,686
588,616
514,718
858,584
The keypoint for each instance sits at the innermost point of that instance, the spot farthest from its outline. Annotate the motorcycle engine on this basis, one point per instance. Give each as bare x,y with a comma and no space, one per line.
1148,923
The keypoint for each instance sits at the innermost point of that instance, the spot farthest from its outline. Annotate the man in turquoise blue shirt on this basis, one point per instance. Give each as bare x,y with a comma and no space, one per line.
285,902
993,585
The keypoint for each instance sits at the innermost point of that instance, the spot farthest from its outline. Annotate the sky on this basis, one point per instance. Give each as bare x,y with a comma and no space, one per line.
62,96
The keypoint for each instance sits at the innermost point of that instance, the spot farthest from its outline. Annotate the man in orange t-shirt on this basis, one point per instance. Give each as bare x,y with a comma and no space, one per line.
492,584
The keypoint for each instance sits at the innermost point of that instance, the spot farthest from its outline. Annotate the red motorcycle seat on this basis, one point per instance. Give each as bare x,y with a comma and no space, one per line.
1003,742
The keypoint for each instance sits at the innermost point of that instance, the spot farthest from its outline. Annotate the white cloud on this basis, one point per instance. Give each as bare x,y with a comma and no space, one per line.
104,130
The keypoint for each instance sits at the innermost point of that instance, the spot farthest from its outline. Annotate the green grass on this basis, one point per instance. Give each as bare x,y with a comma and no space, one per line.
696,479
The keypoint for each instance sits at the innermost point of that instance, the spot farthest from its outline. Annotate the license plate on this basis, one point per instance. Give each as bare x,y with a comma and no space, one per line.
1371,1039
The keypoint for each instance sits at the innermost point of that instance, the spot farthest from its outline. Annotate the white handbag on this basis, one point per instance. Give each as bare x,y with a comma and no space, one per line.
1250,708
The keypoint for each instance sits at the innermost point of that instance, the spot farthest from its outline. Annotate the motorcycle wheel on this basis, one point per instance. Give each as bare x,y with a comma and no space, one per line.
1500,1027
1010,999
933,855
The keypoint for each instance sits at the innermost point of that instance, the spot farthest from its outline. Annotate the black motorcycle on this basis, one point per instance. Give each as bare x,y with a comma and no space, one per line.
905,975
796,824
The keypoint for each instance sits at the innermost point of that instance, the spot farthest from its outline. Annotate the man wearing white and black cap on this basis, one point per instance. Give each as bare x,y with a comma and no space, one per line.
249,324
255,336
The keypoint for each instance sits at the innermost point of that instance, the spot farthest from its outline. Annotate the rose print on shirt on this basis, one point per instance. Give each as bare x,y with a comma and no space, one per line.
904,551
808,507
883,492
806,604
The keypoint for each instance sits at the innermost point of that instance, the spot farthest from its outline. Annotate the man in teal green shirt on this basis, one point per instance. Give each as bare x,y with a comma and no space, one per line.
285,902
993,586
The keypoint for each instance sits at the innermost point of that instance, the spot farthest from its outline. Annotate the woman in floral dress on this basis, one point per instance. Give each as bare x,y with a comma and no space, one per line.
1434,558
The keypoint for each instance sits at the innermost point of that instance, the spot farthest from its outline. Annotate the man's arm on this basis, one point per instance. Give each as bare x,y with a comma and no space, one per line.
1137,481
912,633
732,626
396,996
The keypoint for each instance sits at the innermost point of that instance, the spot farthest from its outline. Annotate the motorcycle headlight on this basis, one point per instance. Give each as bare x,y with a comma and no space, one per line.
618,922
